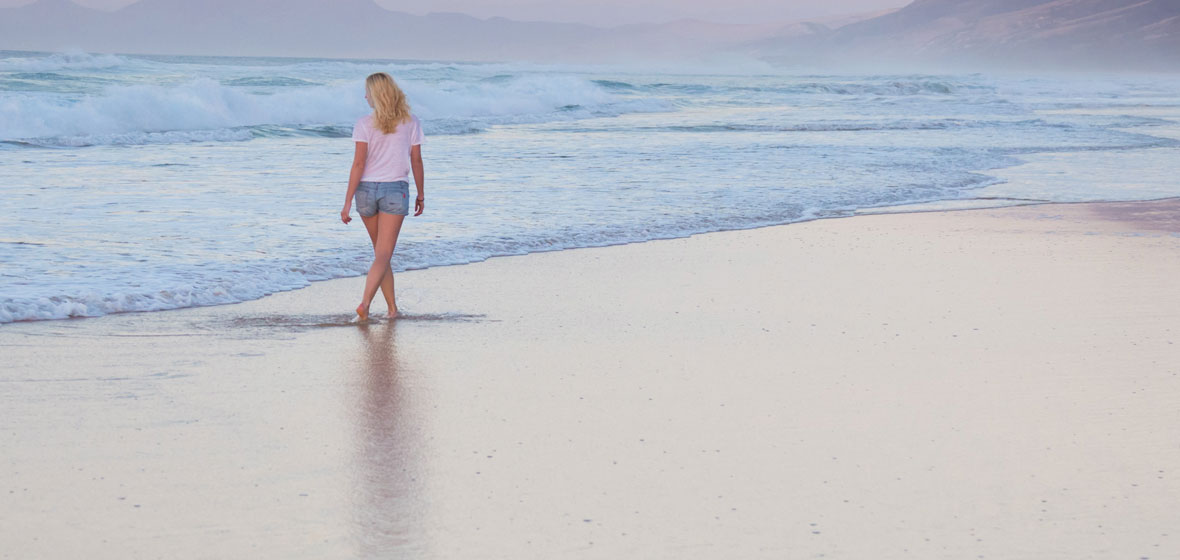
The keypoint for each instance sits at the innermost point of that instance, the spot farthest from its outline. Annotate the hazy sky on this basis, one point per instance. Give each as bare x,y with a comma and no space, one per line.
611,12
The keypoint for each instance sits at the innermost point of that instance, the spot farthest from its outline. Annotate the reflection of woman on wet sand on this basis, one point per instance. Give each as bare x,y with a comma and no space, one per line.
386,499
388,144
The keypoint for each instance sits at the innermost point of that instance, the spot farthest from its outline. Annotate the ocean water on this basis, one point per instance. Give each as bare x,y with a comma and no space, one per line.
143,183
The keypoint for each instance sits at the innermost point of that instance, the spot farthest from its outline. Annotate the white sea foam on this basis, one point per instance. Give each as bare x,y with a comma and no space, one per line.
244,284
200,105
205,109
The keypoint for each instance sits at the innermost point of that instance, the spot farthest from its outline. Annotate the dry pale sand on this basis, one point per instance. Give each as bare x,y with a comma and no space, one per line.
986,383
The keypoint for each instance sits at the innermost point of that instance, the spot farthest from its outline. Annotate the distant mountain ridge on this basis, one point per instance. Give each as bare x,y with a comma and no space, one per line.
355,29
300,28
1107,34
954,34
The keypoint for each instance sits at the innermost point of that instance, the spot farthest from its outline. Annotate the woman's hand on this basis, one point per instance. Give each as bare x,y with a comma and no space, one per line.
419,206
344,214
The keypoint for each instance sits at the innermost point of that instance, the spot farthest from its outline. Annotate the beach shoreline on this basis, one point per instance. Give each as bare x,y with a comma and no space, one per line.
988,382
937,206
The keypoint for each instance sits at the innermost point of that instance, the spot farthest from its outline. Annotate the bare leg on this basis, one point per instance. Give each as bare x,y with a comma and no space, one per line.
387,281
388,227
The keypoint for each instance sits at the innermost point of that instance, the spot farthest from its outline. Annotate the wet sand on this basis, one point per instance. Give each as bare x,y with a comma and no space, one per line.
982,383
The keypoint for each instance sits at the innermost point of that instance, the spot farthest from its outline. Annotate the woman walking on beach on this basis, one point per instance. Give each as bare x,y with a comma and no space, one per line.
388,146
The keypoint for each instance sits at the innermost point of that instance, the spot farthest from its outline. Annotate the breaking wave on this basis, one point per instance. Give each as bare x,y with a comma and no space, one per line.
61,61
208,110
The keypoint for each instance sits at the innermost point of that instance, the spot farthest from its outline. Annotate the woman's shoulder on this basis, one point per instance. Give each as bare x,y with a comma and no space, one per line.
364,123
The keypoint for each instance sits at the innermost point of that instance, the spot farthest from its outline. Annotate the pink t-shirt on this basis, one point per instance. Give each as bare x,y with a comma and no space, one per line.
389,154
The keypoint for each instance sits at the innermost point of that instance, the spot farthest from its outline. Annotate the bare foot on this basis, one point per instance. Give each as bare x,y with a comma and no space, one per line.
392,313
362,313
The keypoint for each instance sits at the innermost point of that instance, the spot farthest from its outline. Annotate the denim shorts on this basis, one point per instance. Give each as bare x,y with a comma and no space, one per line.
390,197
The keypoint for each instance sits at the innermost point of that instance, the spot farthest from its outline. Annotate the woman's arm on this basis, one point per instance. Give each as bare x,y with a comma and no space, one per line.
419,178
354,178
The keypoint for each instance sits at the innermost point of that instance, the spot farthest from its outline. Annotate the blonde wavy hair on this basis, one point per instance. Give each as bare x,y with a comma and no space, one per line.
390,107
